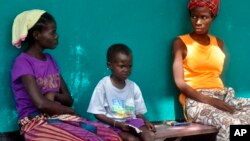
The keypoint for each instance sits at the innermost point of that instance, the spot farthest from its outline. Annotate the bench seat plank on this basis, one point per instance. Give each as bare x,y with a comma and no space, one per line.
164,132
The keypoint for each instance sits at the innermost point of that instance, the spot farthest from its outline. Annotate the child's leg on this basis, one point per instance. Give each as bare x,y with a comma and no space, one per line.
126,136
146,134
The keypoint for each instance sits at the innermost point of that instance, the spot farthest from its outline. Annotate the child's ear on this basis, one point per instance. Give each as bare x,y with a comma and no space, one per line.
109,65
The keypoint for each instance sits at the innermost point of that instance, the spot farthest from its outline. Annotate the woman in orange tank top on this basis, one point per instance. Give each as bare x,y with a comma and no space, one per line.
197,66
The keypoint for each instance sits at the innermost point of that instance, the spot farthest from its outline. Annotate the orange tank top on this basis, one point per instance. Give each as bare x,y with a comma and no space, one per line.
202,65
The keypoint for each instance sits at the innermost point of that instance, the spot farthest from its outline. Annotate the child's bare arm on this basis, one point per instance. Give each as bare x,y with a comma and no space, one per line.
121,125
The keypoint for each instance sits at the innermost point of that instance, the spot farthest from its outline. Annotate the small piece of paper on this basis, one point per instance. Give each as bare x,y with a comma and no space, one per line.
135,129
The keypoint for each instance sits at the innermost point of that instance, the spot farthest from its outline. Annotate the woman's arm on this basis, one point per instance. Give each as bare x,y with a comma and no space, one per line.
179,52
220,43
64,96
42,103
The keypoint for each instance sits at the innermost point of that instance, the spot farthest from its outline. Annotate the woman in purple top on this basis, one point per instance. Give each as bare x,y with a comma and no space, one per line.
42,98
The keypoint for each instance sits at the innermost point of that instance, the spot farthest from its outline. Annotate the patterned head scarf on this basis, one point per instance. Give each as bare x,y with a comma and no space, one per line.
213,5
22,23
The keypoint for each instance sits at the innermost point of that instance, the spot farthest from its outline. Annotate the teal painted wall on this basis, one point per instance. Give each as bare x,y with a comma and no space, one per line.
88,27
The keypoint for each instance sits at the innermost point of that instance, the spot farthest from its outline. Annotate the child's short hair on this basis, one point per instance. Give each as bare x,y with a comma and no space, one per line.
39,26
114,49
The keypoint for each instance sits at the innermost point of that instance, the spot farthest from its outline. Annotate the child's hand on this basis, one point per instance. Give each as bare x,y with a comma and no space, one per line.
123,126
50,96
150,126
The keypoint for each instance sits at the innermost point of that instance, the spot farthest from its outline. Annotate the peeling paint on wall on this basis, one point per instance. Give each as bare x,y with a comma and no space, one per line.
78,77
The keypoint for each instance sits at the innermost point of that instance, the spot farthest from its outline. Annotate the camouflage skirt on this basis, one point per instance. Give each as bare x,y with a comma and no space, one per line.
209,115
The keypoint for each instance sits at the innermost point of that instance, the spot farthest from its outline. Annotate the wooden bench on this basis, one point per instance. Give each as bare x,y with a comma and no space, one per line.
177,133
164,133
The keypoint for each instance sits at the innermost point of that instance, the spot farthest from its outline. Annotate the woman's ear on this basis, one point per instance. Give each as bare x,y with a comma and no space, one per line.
35,35
214,18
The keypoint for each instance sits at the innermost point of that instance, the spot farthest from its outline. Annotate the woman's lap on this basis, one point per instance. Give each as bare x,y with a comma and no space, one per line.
204,113
66,128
